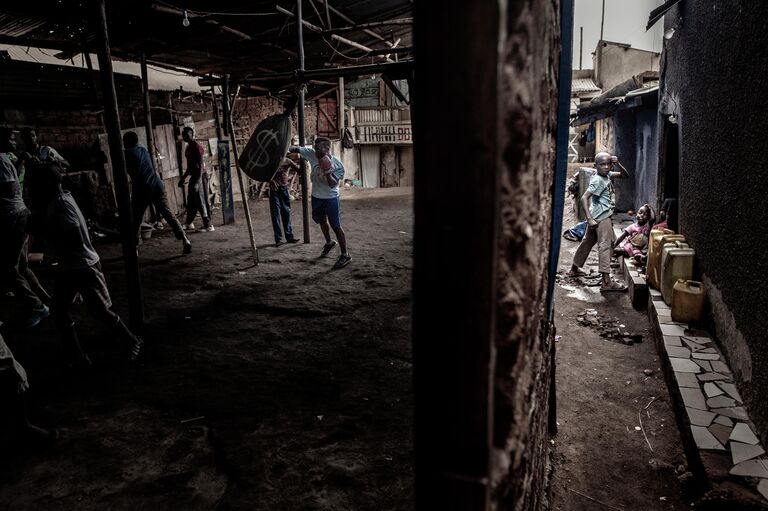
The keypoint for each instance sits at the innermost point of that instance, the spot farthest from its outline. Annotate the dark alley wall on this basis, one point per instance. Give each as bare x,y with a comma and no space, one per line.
482,347
714,82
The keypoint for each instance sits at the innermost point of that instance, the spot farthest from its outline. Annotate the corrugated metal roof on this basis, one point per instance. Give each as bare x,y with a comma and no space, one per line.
241,38
159,79
583,85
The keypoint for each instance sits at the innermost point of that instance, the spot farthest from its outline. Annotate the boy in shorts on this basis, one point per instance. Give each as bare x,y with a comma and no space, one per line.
327,173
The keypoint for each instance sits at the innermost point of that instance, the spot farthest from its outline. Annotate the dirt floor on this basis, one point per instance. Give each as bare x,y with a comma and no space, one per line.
282,386
601,458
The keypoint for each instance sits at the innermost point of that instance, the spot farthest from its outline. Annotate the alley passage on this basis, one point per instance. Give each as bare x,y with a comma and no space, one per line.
617,440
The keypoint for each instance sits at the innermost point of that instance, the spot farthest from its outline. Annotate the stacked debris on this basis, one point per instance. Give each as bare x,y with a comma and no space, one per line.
610,329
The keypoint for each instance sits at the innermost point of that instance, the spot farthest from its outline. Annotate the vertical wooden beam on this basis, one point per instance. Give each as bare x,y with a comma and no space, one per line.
454,311
342,122
216,119
112,123
558,196
302,134
225,168
225,106
241,179
148,111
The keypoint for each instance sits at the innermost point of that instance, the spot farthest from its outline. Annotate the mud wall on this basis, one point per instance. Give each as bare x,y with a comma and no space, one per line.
483,215
527,150
714,82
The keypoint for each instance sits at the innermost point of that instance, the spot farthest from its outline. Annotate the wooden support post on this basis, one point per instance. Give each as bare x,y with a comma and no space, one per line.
243,194
225,112
342,122
302,134
148,112
112,123
225,168
454,319
216,119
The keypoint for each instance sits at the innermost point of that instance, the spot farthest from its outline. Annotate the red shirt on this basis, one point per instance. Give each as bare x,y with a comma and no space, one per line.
194,154
281,176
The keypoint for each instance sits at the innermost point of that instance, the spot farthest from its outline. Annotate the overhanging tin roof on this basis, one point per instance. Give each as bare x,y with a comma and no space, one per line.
237,37
581,85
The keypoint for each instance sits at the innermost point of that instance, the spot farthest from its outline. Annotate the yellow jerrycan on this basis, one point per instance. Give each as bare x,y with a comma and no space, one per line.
676,263
688,301
653,269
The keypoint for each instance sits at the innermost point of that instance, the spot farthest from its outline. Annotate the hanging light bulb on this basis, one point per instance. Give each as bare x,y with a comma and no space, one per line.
185,19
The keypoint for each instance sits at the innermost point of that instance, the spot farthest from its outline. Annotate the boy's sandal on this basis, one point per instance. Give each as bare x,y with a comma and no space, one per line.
577,273
613,286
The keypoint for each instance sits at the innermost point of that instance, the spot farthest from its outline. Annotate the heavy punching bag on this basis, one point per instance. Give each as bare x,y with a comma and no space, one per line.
268,144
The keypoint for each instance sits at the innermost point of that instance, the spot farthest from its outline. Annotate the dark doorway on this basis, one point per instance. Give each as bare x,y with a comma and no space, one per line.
670,172
670,162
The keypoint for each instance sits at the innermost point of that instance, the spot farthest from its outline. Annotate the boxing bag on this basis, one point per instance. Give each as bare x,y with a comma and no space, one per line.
266,148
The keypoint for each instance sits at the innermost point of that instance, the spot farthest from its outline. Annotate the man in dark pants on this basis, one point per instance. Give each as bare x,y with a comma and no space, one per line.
148,188
13,222
197,192
280,203
78,269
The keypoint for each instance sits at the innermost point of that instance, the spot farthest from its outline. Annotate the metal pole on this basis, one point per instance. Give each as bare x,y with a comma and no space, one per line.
112,124
246,210
148,111
602,21
581,46
302,139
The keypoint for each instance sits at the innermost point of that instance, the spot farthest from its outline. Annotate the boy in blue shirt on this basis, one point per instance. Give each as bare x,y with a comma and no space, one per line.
599,202
327,172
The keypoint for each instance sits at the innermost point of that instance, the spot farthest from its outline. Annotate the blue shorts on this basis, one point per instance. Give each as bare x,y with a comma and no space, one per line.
327,208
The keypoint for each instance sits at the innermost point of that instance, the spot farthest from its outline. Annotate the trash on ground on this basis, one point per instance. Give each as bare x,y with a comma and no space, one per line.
610,329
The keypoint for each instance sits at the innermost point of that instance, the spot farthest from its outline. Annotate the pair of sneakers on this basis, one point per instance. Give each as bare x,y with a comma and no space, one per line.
289,240
191,228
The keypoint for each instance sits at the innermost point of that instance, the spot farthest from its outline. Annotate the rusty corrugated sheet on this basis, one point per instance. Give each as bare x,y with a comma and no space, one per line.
18,26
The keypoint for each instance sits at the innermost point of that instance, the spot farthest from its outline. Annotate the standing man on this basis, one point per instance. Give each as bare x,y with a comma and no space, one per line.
148,188
13,221
197,192
599,202
280,203
327,173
